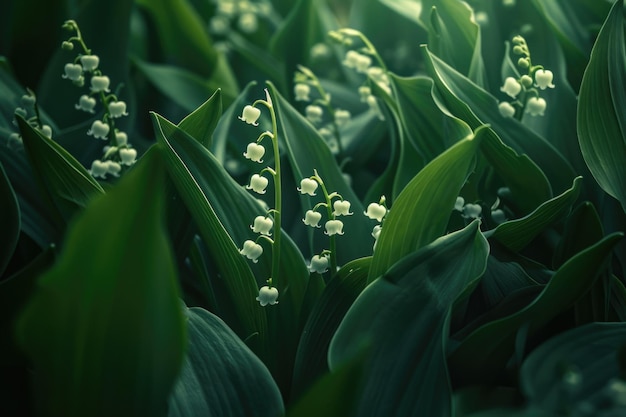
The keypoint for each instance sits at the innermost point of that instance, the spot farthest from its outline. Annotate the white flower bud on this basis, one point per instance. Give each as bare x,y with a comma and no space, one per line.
472,211
506,109
113,168
301,91
319,264
535,106
90,62
267,296
314,113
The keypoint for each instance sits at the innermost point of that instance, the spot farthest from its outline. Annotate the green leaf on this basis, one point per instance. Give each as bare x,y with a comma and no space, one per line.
201,123
420,213
10,215
401,319
220,376
64,181
517,234
481,357
574,368
601,120
105,330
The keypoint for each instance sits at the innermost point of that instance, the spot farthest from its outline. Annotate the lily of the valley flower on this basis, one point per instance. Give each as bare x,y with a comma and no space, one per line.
257,184
472,211
342,117
536,106
121,138
341,208
314,113
364,93
117,109
511,87
334,227
267,295
308,186
90,62
99,130
251,250
363,62
351,59
375,211
98,169
250,115
46,130
113,168
498,216
254,152
319,264
376,231
506,109
459,203
128,155
543,79
248,23
100,83
86,103
73,72
262,225
372,102
312,218
301,91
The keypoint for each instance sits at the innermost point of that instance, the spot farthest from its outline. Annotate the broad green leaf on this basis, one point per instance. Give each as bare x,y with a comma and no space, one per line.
420,213
467,101
575,368
308,151
582,228
201,123
601,117
64,181
220,376
331,307
402,320
10,215
482,355
411,9
516,234
105,330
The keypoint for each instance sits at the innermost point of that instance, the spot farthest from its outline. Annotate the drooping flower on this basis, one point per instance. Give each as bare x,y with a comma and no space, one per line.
459,203
341,208
511,86
364,93
334,227
376,211
376,231
308,186
472,211
99,169
342,117
90,62
121,138
314,113
351,59
267,295
254,152
248,23
506,109
372,102
312,218
73,72
117,109
113,168
128,155
498,216
543,79
46,130
86,103
257,184
302,91
362,63
99,130
319,264
262,225
100,83
251,250
250,115
536,106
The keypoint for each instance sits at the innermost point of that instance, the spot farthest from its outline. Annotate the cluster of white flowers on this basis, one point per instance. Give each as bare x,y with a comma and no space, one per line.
524,90
377,211
117,152
28,110
243,15
471,211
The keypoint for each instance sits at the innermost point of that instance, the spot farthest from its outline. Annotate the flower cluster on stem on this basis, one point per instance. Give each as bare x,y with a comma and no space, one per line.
263,225
117,153
377,211
336,207
29,110
524,90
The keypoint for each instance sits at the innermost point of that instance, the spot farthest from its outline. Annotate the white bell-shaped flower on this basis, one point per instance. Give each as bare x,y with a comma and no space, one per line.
334,227
100,83
543,79
362,63
376,231
372,102
376,211
314,113
472,211
46,130
308,186
86,103
342,117
459,203
536,106
73,72
128,156
351,59
258,183
341,208
99,169
262,225
251,250
364,93
506,109
498,216
121,138
267,295
90,62
113,168
319,264
254,152
250,115
511,87
302,91
99,130
312,218
117,109
248,23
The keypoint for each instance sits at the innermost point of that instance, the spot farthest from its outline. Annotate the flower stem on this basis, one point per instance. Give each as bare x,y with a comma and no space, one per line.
329,211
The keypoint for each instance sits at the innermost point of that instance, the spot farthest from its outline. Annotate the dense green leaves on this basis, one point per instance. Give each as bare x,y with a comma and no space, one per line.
104,329
602,107
220,376
10,215
402,318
